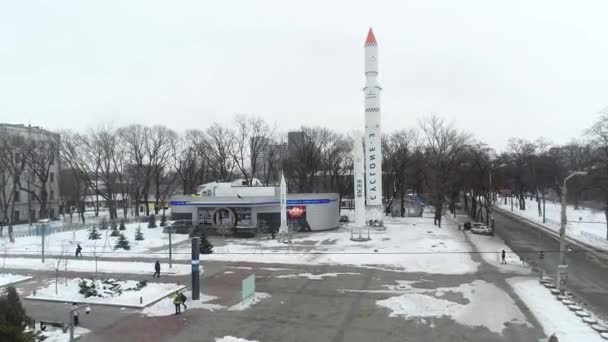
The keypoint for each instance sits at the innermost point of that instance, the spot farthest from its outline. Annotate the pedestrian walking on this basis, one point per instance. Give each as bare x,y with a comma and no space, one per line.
78,251
504,257
75,314
156,269
177,301
183,299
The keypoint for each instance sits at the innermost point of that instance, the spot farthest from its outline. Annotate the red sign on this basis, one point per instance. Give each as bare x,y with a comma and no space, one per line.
296,212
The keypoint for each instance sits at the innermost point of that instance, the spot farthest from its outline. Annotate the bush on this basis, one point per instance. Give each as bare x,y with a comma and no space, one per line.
114,231
206,246
122,225
122,242
152,223
94,234
139,236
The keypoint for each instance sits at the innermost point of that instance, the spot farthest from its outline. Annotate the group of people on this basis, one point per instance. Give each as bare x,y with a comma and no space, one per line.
179,300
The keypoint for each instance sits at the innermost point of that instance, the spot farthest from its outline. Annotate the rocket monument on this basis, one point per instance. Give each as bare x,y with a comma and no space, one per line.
373,146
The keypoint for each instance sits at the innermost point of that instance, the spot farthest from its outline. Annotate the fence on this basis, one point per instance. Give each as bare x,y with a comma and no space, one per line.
66,226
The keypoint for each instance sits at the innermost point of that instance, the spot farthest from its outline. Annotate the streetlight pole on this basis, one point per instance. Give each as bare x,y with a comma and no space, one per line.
564,219
562,268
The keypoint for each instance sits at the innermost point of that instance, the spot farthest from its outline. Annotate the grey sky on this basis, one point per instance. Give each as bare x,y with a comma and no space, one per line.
496,68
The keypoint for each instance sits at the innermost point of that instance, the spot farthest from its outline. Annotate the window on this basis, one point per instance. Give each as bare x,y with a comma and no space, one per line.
16,216
17,196
52,176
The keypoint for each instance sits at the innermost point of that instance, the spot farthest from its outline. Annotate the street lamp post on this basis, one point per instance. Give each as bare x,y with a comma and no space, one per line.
562,268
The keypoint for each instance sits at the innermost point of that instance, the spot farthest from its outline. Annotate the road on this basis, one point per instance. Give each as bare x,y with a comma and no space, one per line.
587,276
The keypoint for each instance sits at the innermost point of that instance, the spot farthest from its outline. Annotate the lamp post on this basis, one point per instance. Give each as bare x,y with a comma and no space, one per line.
562,268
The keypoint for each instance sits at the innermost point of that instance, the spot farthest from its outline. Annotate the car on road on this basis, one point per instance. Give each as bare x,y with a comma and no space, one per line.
480,228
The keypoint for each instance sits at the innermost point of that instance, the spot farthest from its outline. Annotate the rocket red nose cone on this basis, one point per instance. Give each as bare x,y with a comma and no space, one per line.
371,39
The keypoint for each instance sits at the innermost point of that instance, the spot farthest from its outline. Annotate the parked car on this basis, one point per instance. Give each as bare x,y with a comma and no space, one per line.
344,218
480,228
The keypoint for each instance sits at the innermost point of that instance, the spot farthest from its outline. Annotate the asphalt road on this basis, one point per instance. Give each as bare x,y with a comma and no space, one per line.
587,276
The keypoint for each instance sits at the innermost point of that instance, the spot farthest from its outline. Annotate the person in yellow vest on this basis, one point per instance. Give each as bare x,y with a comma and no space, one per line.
177,301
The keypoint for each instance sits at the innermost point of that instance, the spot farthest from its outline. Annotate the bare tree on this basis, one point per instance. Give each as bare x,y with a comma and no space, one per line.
599,172
252,138
40,156
220,144
159,143
399,150
443,147
139,172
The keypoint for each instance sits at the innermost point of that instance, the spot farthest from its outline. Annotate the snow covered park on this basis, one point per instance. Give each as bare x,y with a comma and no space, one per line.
408,245
584,224
65,243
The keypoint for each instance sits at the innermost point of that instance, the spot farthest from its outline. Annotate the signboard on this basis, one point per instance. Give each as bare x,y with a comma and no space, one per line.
296,212
248,289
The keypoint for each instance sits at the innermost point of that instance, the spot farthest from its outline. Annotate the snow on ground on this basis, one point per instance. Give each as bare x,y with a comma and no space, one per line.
247,303
585,225
233,339
70,293
315,276
57,335
8,278
89,266
550,313
490,249
487,306
409,244
64,243
165,306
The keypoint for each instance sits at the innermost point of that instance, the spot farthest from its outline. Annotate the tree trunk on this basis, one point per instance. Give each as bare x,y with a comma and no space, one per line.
540,211
402,210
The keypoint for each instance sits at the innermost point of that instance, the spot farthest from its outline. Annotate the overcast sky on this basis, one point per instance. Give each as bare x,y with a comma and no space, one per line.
498,68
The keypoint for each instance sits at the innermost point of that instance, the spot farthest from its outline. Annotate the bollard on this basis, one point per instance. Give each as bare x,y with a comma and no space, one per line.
141,300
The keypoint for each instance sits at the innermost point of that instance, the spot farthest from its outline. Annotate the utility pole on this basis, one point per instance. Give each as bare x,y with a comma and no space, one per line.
195,269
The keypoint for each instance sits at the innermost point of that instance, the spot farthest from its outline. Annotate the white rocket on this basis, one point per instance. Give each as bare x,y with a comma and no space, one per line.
373,146
283,229
359,181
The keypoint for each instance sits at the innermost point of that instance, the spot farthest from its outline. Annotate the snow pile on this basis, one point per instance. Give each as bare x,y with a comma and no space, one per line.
7,278
233,339
247,303
410,244
550,313
57,335
315,276
166,307
72,292
487,305
585,225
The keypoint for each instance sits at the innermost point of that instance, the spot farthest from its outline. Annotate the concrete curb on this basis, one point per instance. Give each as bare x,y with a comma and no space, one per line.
569,302
593,250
